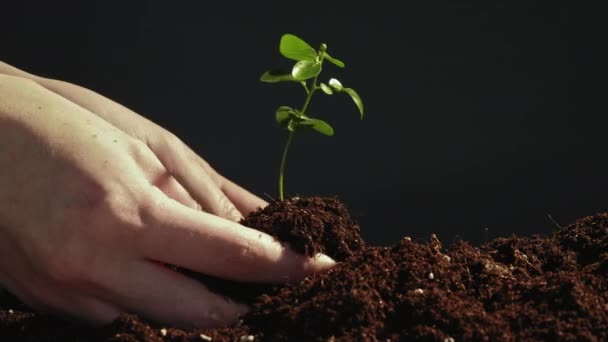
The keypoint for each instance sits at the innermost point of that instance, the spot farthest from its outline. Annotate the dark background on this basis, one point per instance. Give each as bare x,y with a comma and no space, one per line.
478,114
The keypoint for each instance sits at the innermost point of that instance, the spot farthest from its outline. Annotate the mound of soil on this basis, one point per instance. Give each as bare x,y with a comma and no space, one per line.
544,288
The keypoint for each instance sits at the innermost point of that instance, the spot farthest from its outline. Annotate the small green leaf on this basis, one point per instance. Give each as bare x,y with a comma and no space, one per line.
353,94
283,114
316,124
272,78
321,127
304,70
334,83
335,61
297,49
326,89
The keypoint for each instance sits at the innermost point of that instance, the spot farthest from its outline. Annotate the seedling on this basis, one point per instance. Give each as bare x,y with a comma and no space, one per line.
306,71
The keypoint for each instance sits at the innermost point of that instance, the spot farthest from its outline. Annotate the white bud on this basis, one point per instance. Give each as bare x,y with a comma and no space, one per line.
334,83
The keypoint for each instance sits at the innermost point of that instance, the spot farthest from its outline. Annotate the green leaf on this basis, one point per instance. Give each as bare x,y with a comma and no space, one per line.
297,49
304,70
335,61
353,94
272,78
321,127
316,124
326,89
283,114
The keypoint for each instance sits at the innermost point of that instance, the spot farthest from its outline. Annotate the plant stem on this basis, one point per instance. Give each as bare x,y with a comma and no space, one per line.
282,169
309,93
290,138
309,96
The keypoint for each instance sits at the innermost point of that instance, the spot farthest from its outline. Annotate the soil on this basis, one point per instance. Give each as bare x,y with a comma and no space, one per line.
535,288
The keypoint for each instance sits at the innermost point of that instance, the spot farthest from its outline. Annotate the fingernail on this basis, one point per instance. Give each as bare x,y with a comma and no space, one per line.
323,261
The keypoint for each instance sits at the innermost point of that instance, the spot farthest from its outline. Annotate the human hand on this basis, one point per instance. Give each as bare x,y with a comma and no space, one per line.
87,211
213,192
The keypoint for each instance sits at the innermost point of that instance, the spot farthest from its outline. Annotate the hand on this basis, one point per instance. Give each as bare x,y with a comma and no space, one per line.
91,200
216,194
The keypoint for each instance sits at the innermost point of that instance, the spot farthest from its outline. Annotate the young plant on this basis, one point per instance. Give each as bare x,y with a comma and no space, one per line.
306,70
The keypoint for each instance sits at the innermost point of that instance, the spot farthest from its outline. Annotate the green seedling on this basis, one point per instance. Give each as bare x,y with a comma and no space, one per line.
306,71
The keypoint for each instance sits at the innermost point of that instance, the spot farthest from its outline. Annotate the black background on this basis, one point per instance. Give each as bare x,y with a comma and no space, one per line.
478,114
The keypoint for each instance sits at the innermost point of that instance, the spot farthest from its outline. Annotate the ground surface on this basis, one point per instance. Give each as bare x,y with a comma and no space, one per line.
519,288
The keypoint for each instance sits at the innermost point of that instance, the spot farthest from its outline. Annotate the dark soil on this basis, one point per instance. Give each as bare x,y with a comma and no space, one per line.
544,288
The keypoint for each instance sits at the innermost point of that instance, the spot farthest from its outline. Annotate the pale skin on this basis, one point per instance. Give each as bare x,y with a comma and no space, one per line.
95,199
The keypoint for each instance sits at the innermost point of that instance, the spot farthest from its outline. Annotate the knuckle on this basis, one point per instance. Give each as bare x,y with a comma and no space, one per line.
145,159
115,213
150,204
173,140
208,168
137,213
114,207
139,150
174,151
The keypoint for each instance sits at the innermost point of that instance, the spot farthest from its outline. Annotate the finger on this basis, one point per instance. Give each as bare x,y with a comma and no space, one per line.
171,187
245,201
206,191
166,296
215,246
198,182
156,173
